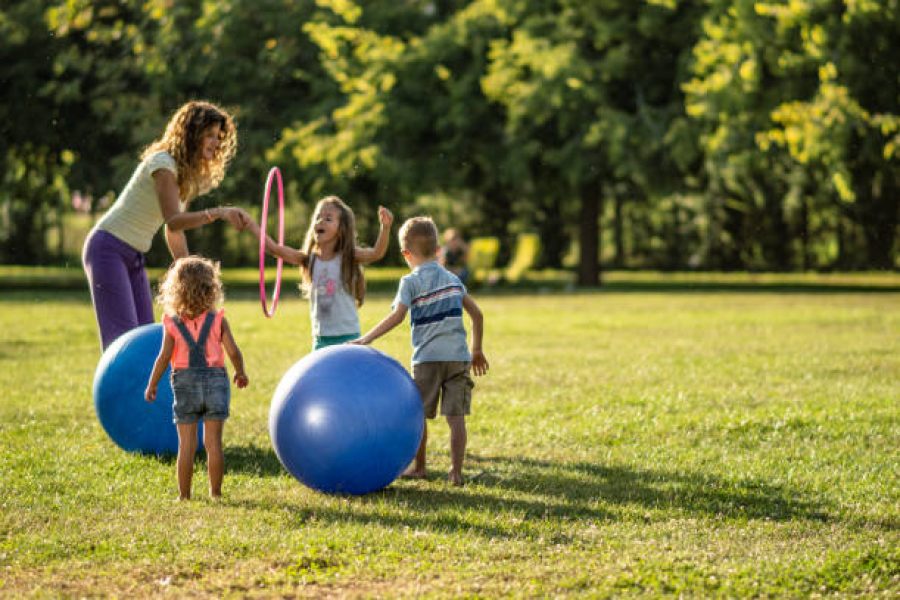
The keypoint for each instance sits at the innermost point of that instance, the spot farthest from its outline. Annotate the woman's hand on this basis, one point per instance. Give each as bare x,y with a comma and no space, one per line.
238,217
253,227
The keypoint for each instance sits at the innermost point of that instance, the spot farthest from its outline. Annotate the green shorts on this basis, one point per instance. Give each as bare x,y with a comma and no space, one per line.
448,381
323,341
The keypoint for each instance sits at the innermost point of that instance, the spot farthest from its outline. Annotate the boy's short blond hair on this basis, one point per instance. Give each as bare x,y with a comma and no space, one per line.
419,235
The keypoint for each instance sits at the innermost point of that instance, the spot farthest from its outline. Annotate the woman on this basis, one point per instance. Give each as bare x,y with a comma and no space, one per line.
189,160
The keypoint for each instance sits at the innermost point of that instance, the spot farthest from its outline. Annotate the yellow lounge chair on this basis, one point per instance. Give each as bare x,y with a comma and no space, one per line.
482,256
528,246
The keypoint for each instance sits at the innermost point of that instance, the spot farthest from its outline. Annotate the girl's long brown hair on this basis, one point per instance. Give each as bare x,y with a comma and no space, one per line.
351,271
182,139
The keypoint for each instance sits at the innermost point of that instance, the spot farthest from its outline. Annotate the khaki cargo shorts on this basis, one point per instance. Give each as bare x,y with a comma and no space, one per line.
448,381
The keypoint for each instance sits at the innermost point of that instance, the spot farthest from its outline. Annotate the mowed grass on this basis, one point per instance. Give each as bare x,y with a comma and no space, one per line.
730,443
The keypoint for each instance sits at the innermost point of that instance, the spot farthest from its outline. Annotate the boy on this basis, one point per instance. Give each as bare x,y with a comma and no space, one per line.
441,360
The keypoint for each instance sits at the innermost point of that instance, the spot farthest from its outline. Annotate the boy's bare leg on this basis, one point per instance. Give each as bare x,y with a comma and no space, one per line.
457,448
215,458
184,466
417,469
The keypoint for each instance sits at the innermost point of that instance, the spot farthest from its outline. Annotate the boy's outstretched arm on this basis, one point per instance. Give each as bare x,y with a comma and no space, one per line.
377,252
480,364
389,322
290,255
159,367
234,355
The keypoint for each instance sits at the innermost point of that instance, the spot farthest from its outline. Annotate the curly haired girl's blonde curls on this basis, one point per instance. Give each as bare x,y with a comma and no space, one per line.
190,287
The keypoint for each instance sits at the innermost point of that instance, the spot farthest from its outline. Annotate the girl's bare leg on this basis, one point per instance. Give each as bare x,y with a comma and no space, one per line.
187,447
215,457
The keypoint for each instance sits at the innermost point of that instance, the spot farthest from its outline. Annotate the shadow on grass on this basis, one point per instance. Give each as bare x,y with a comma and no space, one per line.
681,492
249,460
517,497
252,460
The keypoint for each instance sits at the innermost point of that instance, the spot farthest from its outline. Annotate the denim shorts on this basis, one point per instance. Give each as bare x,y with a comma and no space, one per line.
200,393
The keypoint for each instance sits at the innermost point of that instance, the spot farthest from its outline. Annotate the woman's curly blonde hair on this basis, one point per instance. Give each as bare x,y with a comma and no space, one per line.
183,140
191,286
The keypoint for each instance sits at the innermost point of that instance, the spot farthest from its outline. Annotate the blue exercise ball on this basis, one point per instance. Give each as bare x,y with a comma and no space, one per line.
119,383
346,419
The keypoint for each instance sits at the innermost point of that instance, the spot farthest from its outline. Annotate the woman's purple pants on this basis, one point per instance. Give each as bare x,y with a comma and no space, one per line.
120,289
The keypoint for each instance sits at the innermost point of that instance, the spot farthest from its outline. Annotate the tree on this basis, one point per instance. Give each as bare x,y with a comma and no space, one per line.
773,115
849,127
591,89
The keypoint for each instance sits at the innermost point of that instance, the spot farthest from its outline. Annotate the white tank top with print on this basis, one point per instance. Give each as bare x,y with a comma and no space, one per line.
332,309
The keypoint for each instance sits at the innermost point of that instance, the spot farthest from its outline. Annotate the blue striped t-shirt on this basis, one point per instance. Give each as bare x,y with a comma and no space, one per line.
434,297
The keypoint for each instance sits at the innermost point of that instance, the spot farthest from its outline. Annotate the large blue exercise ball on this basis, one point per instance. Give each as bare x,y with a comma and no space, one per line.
119,383
346,419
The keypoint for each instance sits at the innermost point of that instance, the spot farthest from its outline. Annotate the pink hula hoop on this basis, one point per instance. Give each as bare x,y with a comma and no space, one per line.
274,173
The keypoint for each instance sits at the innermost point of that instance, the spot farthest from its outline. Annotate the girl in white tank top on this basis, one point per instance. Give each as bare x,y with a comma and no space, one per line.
331,268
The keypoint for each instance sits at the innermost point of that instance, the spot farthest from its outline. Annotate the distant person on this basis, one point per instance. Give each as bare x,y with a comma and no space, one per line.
188,160
454,254
331,268
441,360
194,336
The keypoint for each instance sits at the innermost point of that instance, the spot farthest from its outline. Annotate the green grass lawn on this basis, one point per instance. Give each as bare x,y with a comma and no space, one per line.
714,441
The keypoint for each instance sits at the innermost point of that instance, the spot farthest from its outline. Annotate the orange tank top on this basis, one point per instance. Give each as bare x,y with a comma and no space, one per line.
215,356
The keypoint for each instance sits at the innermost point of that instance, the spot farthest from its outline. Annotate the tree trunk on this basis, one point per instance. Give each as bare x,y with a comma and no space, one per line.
589,234
804,231
619,233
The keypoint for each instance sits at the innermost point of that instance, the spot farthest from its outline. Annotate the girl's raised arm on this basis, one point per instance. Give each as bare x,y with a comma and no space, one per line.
377,252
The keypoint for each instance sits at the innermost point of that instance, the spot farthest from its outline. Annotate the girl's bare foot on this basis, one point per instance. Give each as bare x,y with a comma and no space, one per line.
455,478
412,473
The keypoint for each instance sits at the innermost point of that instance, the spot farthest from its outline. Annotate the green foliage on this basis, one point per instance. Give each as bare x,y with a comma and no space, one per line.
781,93
693,133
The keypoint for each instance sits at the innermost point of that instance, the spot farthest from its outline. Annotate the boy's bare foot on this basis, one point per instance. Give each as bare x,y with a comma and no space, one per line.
413,474
455,478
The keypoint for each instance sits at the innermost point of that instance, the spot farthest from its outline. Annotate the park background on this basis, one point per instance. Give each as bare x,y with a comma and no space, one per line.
694,384
660,134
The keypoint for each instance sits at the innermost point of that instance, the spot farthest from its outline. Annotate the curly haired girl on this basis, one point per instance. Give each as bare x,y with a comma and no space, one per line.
331,268
188,160
193,338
